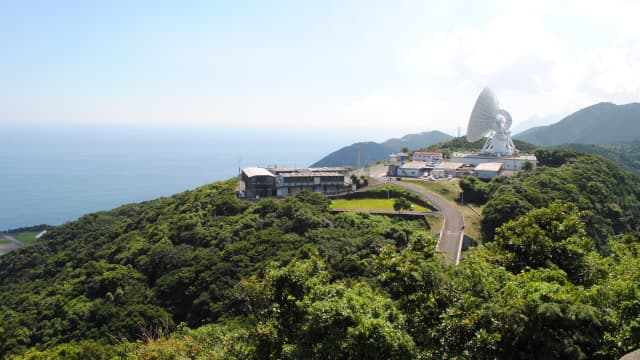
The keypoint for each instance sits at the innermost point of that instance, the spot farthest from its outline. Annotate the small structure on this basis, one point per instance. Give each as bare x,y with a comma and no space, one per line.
258,182
413,169
428,157
392,169
464,171
488,171
398,159
446,168
312,179
266,182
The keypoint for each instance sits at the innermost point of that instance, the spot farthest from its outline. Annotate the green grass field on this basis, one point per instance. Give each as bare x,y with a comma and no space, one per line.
4,241
448,189
27,238
370,204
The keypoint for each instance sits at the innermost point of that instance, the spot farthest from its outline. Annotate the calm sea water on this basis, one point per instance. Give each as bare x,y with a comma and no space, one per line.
53,175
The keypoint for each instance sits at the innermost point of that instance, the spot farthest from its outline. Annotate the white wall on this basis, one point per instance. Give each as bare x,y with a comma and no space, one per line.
507,164
409,172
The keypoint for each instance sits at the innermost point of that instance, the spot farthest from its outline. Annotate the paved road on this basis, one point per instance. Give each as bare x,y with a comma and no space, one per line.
452,235
12,245
451,238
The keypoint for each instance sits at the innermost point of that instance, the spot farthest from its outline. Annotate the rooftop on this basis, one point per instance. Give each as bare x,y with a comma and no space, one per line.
427,153
308,170
414,165
495,166
528,157
309,173
256,171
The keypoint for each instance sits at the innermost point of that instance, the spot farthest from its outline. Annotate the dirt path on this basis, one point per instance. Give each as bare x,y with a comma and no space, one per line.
11,245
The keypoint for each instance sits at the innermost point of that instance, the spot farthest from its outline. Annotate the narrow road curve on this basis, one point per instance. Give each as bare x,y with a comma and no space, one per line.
451,237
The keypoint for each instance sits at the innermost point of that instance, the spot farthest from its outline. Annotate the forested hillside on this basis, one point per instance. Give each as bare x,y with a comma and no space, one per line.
624,154
610,194
202,274
603,123
370,152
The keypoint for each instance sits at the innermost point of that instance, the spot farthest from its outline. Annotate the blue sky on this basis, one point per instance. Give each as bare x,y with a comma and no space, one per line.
373,68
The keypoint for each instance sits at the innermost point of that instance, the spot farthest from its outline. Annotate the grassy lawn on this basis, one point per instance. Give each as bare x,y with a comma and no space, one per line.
450,190
4,241
26,238
472,223
370,204
436,223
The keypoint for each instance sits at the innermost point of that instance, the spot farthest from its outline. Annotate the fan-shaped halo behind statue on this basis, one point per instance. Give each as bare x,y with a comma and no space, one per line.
483,115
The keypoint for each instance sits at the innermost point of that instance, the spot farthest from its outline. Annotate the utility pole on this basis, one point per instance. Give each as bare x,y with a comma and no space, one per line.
358,161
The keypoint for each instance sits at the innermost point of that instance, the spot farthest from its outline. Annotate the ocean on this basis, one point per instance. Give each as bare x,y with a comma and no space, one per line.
51,175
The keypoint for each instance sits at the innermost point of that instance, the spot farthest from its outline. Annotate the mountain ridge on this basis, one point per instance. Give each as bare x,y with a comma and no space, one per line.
601,123
371,152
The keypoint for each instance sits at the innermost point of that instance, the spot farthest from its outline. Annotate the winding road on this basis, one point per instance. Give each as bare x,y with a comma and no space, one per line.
451,237
450,243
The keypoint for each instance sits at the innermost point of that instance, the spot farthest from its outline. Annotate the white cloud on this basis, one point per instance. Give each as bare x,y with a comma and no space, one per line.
397,114
541,57
619,15
536,69
517,36
613,72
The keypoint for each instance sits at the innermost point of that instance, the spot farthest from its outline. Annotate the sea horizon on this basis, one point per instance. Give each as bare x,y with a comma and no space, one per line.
51,175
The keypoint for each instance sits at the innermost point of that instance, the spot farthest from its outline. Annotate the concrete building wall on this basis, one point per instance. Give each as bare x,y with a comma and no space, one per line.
486,174
438,173
260,182
415,173
427,157
259,186
513,163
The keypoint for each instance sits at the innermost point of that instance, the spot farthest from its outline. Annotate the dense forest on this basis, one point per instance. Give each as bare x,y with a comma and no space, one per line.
602,123
205,275
626,154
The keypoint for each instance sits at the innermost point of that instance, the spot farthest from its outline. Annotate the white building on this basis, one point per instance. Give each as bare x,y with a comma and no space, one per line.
413,169
446,168
513,162
488,171
428,157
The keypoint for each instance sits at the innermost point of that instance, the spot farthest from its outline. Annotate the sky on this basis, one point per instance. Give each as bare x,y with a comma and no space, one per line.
374,69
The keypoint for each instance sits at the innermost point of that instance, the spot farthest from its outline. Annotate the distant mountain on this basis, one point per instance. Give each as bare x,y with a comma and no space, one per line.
371,152
603,123
535,121
417,141
462,144
626,155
